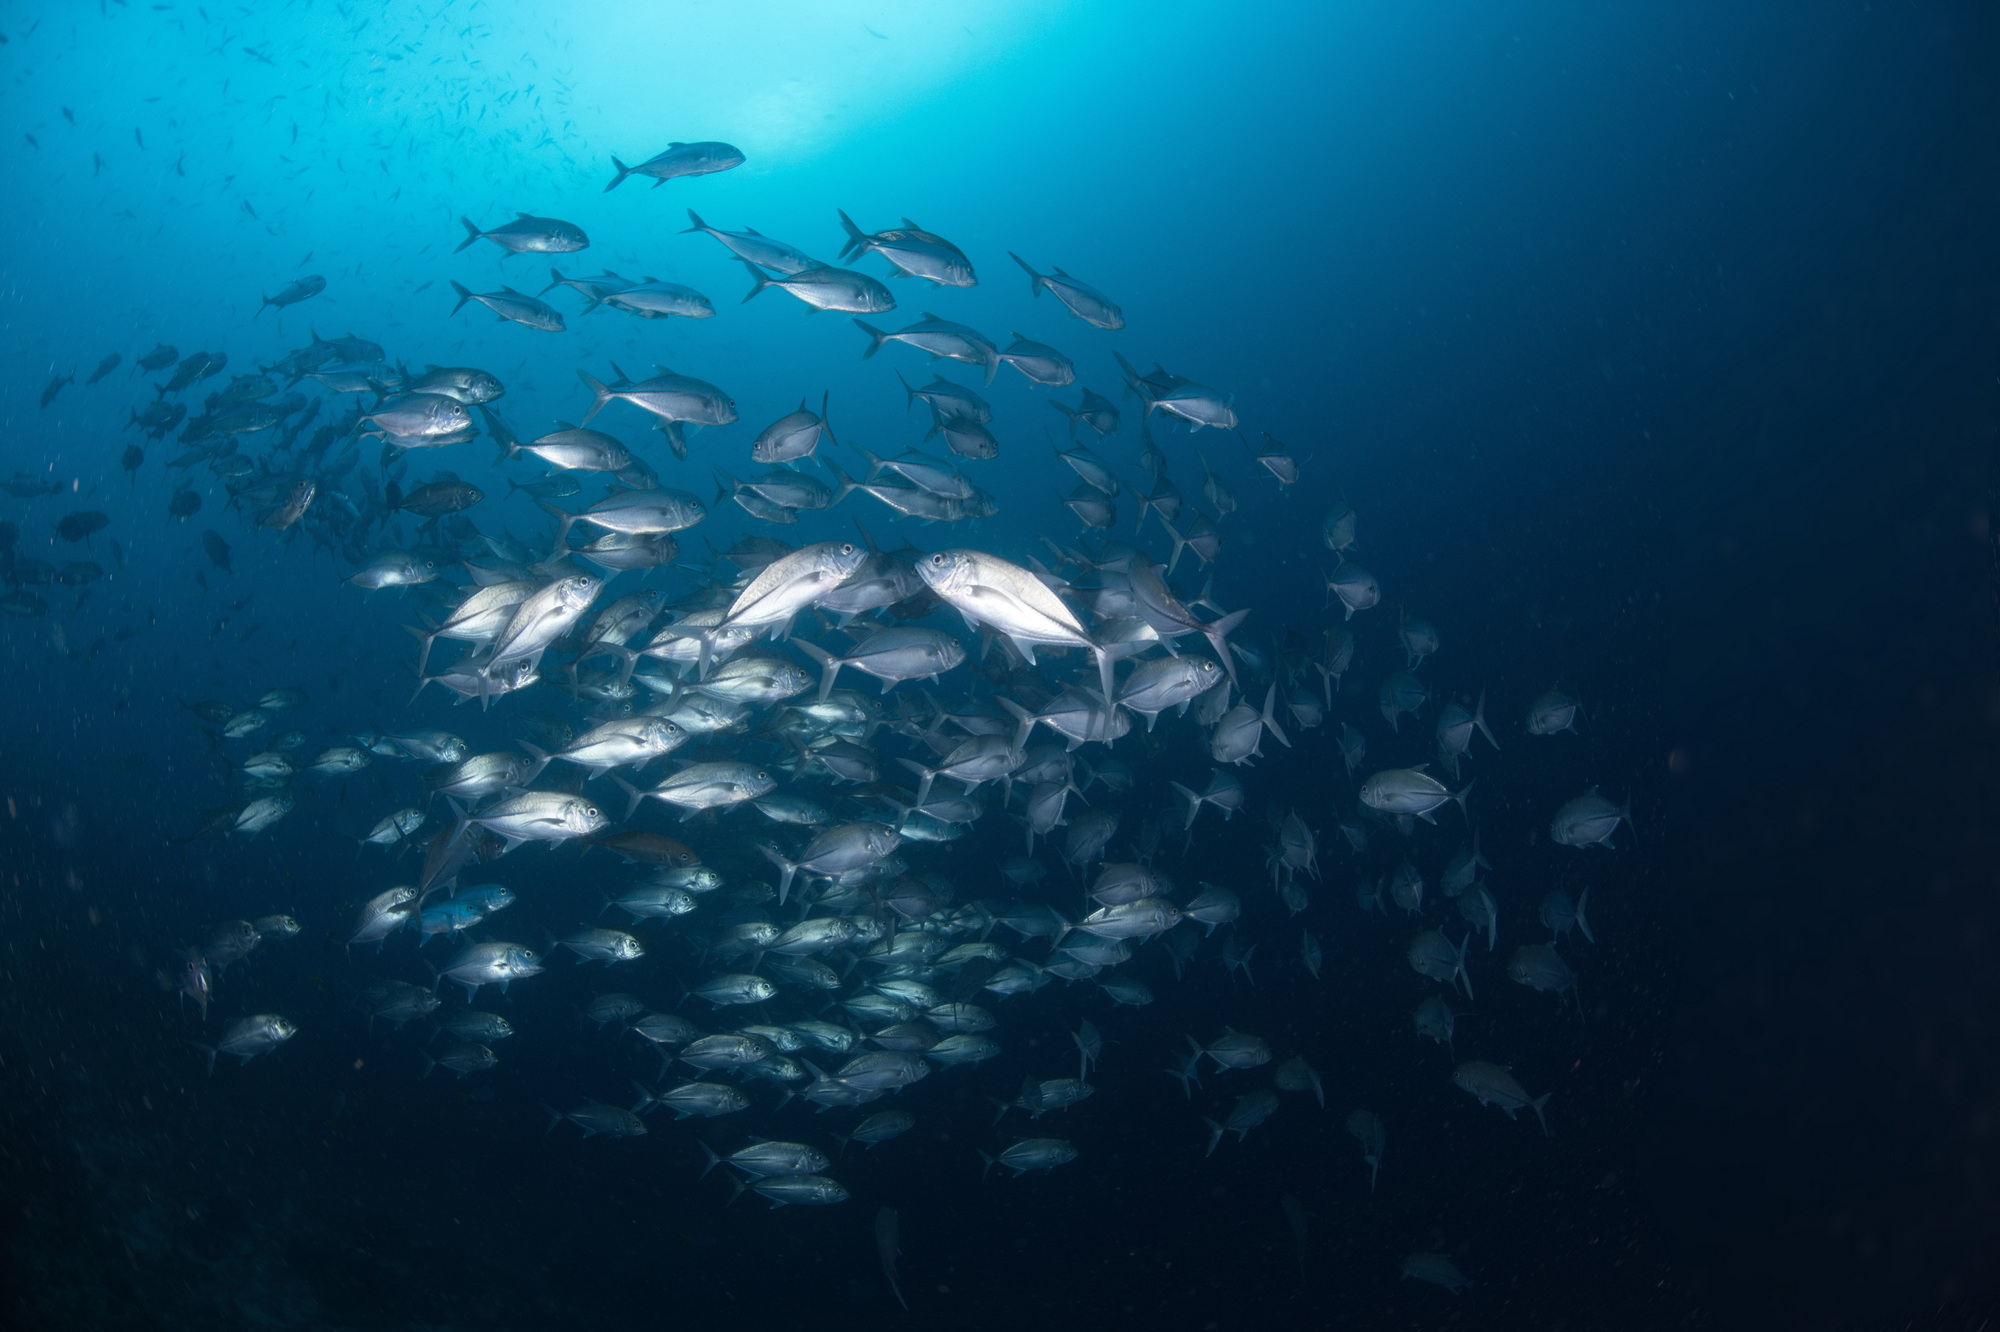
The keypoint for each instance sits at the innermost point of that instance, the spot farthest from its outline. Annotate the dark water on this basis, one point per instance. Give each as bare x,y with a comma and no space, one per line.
1657,353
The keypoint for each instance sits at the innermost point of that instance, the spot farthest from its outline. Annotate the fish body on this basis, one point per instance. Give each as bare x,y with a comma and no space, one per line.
492,963
1589,820
680,159
528,234
1494,1084
513,307
251,1037
756,248
1081,299
304,289
912,250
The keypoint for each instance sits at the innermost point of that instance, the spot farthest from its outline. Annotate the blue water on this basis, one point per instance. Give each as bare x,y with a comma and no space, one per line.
1654,348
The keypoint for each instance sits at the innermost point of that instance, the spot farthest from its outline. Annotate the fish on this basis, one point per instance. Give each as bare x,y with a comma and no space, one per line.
104,367
1038,362
1561,915
1367,1129
936,337
1197,405
1025,1154
527,234
1081,299
655,299
1411,792
302,289
1436,1269
792,436
216,549
1552,713
677,160
81,525
1590,820
513,307
888,1248
824,288
756,248
250,1037
911,250
1494,1084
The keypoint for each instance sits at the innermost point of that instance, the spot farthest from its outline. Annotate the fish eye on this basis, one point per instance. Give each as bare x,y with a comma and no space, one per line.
847,547
590,811
937,560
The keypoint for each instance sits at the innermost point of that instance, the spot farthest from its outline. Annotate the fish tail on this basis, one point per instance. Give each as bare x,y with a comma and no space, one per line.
556,279
472,233
1460,796
843,480
857,239
602,396
1034,278
829,665
876,338
677,439
562,517
1180,542
1269,716
1538,1103
926,777
761,278
1218,638
619,179
633,795
693,217
1479,720
463,297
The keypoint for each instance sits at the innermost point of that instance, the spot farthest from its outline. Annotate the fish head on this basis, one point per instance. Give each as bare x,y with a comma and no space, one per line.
838,561
577,591
947,571
660,733
583,818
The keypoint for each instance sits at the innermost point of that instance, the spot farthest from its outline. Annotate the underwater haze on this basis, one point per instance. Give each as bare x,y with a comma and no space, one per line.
1007,664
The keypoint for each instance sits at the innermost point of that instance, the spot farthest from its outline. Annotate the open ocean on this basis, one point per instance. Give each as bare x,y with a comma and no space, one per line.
1442,776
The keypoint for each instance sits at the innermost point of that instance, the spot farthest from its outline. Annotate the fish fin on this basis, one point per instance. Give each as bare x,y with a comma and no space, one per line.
472,234
760,277
463,297
1479,720
857,239
603,394
619,179
1460,796
876,339
1034,278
